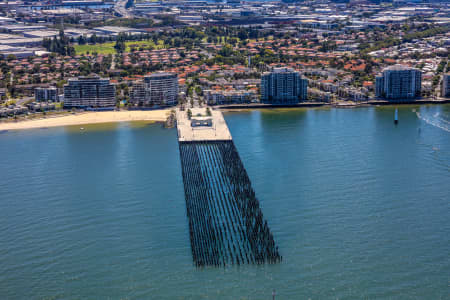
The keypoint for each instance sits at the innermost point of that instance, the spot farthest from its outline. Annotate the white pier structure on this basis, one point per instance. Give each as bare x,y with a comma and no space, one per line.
201,126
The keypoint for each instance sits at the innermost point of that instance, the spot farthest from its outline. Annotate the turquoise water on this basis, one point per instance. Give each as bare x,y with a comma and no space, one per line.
359,208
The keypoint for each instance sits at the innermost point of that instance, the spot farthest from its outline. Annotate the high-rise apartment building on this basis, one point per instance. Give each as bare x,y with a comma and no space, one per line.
399,83
89,91
283,86
446,85
46,94
156,89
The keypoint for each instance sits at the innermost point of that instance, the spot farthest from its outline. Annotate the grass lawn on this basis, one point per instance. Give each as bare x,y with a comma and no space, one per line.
144,44
105,48
108,48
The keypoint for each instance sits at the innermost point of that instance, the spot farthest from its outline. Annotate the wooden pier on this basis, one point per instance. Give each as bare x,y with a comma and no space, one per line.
226,224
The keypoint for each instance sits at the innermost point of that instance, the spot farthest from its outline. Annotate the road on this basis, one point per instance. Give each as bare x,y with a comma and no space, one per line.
23,100
119,8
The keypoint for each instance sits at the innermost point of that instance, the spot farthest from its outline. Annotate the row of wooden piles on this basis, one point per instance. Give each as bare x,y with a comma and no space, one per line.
226,224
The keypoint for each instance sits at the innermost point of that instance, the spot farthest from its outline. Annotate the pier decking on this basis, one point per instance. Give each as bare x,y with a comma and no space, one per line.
226,224
217,132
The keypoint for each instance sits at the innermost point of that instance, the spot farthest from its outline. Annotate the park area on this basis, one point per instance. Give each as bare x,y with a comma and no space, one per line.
108,48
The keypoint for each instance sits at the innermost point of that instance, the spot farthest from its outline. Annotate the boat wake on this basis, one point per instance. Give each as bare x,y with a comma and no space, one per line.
436,115
435,121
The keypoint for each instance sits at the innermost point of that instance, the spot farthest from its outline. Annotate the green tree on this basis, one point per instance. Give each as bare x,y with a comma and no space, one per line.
93,39
119,46
81,40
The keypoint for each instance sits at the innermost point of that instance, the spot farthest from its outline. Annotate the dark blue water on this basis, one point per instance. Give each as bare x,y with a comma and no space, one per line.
358,206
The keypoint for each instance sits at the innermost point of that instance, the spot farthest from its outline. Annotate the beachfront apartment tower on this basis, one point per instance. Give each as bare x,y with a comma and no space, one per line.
46,94
283,86
399,83
446,85
89,91
163,88
159,89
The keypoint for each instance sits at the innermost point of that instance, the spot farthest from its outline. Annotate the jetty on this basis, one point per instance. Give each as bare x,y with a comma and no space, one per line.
226,224
201,126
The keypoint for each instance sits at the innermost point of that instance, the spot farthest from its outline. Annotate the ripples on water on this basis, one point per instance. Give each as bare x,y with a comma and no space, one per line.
358,206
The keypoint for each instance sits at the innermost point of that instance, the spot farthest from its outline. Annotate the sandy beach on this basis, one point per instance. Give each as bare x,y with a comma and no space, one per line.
89,118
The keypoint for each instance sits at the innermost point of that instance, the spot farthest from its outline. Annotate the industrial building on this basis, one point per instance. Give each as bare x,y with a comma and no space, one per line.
283,86
116,30
89,91
399,82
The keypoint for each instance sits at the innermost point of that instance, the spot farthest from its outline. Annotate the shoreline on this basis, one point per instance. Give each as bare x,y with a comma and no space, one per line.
86,118
160,115
327,104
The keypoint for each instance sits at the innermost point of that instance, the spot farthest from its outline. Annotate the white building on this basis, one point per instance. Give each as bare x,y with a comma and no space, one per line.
229,97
